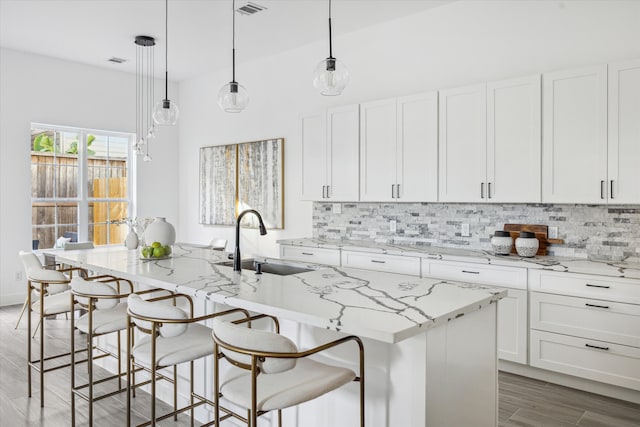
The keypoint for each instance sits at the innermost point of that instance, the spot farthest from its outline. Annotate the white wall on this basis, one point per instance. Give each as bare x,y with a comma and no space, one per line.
461,43
45,90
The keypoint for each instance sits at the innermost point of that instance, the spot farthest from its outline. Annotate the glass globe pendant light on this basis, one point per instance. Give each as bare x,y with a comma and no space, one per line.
330,76
145,78
166,112
233,97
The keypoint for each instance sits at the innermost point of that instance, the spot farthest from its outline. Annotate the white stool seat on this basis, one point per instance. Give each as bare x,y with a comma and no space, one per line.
55,304
105,320
306,381
194,343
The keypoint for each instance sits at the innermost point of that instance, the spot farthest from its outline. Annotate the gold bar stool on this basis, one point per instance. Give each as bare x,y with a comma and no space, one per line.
269,373
52,290
106,314
172,336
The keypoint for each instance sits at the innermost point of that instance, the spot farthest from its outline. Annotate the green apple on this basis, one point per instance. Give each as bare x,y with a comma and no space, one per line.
167,250
158,252
156,245
146,251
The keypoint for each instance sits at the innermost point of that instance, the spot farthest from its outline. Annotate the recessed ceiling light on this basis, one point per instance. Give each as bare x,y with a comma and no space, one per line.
117,60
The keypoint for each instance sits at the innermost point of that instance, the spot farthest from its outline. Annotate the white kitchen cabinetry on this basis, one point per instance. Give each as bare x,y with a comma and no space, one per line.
330,150
512,310
584,325
382,262
624,133
311,255
489,142
399,149
574,144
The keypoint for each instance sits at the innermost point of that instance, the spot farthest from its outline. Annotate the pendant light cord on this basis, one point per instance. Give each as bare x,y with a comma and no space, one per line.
233,40
330,44
166,49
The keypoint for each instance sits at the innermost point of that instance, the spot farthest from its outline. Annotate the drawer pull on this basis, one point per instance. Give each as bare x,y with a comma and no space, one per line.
470,272
596,305
378,262
598,286
306,253
596,347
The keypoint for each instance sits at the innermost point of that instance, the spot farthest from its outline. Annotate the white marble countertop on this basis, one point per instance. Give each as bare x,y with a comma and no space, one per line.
571,265
381,306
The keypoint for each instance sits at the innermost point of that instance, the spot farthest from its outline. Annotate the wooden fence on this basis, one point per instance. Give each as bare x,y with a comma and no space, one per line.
106,179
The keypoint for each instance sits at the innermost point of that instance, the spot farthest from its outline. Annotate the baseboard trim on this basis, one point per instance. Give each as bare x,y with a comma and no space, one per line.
583,384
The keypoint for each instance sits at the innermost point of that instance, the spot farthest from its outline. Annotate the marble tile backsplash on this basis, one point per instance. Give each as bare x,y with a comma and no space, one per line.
608,232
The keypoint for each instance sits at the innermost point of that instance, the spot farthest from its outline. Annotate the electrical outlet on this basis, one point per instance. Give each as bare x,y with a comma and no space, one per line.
18,275
336,208
392,225
553,232
464,230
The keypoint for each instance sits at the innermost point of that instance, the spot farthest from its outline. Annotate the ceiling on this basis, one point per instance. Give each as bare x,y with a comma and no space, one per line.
92,31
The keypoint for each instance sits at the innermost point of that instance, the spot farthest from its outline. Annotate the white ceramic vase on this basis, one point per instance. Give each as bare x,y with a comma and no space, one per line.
131,241
160,231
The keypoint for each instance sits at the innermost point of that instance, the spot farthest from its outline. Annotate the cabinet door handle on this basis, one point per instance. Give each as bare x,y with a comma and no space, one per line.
596,305
324,191
306,253
611,190
596,347
393,193
482,190
397,191
470,272
378,262
602,189
489,190
328,191
598,286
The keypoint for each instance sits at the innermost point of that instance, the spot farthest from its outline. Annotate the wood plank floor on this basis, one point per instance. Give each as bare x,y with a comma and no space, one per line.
523,401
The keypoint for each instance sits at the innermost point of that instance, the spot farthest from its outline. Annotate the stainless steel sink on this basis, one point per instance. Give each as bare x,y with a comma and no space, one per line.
269,266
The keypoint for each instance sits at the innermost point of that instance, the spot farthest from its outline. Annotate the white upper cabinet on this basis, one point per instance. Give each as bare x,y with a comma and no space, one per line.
417,155
490,142
463,144
624,133
574,141
513,141
314,156
399,149
330,145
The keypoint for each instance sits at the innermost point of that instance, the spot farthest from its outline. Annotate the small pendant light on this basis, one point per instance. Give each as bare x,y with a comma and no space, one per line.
145,78
166,112
330,76
233,97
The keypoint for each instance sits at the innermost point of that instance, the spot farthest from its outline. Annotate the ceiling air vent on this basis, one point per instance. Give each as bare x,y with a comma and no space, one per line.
250,8
117,60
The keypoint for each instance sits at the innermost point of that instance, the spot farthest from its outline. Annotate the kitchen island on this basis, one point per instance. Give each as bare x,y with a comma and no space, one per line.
430,345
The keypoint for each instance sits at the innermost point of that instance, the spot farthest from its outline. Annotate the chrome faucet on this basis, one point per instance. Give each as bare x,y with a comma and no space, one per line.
236,253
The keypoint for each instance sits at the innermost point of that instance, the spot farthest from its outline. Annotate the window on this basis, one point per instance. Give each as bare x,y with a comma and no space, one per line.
81,181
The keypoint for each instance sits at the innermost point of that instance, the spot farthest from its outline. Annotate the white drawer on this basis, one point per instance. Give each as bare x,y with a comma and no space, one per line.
381,262
508,277
585,285
596,360
313,255
588,318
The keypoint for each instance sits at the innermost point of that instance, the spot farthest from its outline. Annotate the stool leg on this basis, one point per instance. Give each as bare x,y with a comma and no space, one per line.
175,392
191,381
29,339
24,306
129,378
73,368
90,359
153,374
42,348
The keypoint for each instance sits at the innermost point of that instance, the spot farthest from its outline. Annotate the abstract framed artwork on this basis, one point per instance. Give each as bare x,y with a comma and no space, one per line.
243,176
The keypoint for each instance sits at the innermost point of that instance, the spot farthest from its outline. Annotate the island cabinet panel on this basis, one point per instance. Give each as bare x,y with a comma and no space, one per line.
513,316
312,255
574,166
330,150
399,149
624,132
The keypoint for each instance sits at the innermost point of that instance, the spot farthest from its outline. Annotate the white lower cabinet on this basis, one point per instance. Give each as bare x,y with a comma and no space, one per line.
585,325
512,310
311,255
381,262
592,359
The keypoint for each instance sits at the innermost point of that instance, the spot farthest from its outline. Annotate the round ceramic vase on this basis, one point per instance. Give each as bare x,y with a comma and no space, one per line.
501,242
160,231
527,244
